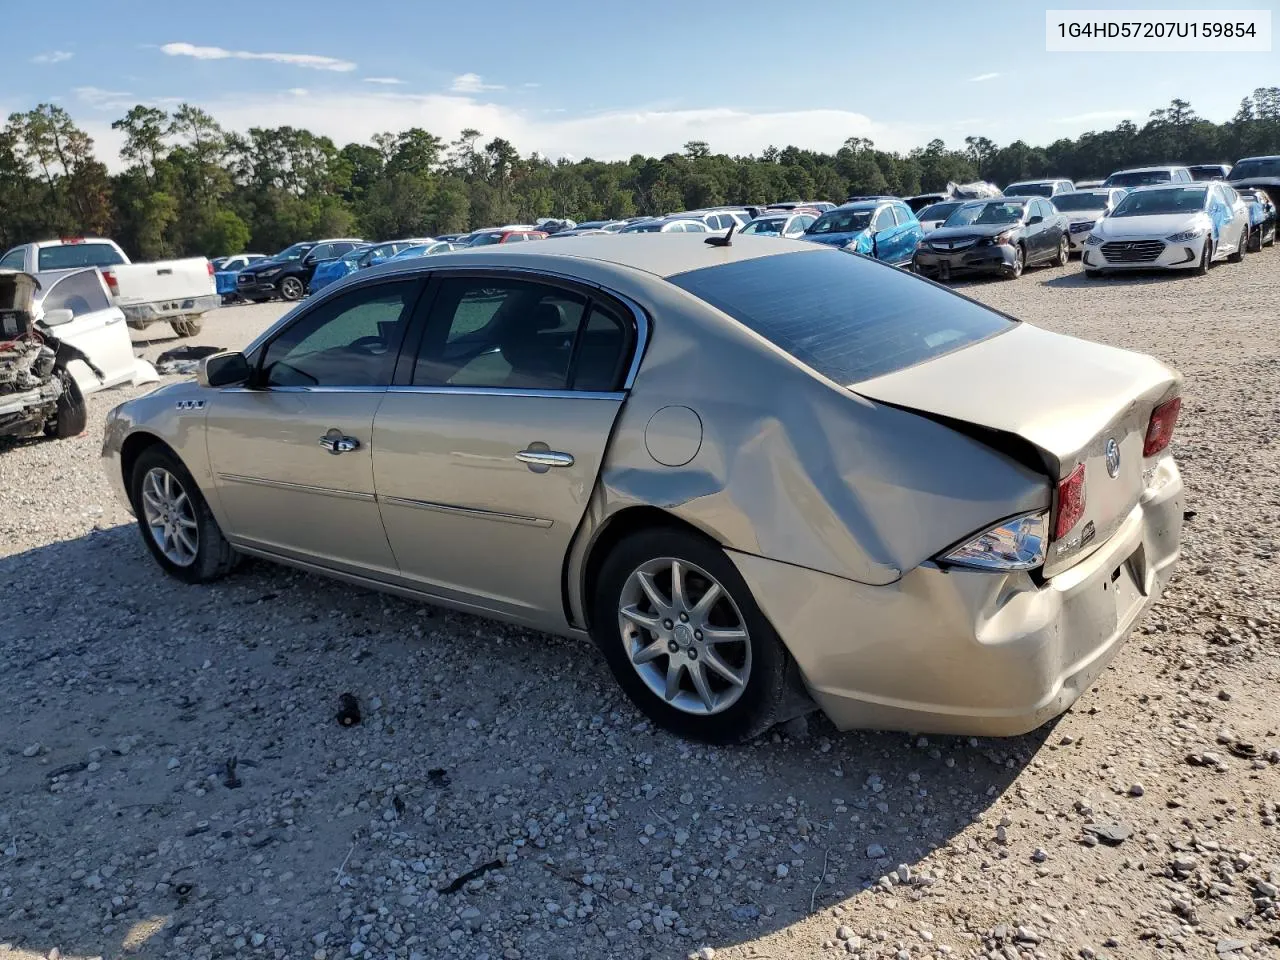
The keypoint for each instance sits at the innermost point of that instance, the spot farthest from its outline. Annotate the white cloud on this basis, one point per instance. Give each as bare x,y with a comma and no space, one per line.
299,91
472,83
53,56
1096,115
310,60
388,81
101,99
983,76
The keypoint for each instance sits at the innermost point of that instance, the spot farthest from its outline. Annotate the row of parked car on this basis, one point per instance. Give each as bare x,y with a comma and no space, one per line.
1171,216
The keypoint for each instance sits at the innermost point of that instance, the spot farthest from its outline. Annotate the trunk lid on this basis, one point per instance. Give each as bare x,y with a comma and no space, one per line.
1067,398
166,280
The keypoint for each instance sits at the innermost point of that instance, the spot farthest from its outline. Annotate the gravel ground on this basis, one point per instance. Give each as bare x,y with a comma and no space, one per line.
174,783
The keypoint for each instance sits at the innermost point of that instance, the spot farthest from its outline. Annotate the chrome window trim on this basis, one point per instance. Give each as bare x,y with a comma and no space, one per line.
465,511
317,389
617,396
299,487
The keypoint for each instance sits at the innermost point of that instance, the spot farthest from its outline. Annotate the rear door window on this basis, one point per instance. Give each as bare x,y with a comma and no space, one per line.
847,318
80,293
13,260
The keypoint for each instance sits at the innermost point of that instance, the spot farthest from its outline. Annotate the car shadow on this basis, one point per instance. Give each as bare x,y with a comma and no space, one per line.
1129,278
482,747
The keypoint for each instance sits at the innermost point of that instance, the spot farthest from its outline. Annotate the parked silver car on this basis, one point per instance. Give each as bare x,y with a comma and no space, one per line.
744,471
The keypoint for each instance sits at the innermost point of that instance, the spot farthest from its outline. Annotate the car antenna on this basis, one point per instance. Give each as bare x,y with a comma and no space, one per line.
726,240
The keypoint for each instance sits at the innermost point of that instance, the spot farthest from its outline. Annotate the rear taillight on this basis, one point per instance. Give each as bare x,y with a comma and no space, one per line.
210,266
1070,502
112,284
1160,429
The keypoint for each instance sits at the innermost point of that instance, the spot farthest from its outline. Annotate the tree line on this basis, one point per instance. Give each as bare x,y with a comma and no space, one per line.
190,187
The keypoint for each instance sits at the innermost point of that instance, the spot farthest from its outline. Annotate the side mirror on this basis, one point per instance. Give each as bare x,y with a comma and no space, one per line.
1034,220
56,318
223,370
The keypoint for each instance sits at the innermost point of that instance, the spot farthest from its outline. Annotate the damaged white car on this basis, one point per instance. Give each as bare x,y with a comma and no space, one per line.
60,340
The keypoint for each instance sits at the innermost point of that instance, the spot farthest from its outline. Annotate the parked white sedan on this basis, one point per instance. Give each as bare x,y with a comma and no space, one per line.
1184,226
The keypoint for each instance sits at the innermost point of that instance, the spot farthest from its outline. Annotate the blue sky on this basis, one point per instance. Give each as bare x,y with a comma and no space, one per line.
608,79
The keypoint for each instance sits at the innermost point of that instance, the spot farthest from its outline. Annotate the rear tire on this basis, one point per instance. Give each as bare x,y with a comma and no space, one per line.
1237,255
72,416
716,709
187,328
1064,252
175,520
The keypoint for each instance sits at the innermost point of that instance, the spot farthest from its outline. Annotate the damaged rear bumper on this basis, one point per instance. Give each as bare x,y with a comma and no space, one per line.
971,652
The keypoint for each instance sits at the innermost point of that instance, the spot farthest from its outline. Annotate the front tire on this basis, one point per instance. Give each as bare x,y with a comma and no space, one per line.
1019,263
187,328
176,523
291,288
685,639
1242,247
1206,255
71,415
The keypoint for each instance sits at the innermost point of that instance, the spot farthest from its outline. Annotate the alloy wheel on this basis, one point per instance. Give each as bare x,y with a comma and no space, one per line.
170,516
684,635
291,288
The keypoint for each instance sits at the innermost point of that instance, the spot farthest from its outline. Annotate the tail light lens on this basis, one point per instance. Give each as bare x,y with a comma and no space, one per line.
112,284
1014,544
210,266
1160,429
1070,502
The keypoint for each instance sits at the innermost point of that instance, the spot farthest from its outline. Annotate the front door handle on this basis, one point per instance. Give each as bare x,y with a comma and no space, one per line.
545,458
335,442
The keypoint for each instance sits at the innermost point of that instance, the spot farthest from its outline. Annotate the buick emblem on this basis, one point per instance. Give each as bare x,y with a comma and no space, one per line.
1113,458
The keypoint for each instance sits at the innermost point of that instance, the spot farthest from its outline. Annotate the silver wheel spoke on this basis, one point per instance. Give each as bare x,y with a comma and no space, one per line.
700,684
651,652
185,539
705,603
186,523
713,661
660,603
673,680
648,621
677,587
723,634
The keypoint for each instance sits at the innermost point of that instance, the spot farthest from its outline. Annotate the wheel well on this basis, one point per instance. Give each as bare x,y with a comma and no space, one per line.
132,449
621,525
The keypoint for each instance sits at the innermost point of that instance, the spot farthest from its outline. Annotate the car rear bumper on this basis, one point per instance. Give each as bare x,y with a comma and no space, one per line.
171,309
987,259
970,652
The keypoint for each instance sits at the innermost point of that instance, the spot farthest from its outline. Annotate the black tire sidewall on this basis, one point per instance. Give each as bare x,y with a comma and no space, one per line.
72,413
214,555
755,711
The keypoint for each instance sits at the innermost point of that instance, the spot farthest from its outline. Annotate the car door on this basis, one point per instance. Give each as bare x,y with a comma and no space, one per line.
291,452
1036,228
882,233
486,450
97,328
909,232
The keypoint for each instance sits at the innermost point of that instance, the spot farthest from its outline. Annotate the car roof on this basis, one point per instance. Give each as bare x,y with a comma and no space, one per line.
1193,185
1161,166
1269,156
864,205
662,255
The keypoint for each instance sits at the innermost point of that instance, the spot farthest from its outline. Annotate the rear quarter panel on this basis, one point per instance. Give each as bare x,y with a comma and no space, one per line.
164,280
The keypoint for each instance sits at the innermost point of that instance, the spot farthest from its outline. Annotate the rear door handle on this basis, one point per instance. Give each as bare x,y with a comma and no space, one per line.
545,458
336,443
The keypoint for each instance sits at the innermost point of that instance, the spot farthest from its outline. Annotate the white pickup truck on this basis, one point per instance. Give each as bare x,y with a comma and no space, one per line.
177,292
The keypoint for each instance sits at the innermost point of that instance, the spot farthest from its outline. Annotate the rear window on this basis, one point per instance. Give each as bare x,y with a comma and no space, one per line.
72,255
844,316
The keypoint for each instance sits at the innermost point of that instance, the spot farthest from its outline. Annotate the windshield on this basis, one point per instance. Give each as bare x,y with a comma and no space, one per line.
1138,178
1068,202
72,255
1150,203
1213,172
1262,167
938,211
653,227
484,239
847,318
996,212
773,225
842,221
296,252
1029,190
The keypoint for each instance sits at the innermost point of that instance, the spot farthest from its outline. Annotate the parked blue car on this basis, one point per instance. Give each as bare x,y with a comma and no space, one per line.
226,268
359,258
427,249
884,229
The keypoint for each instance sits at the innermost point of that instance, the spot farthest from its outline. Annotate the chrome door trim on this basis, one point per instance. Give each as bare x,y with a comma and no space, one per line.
617,396
299,487
465,511
545,458
270,390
